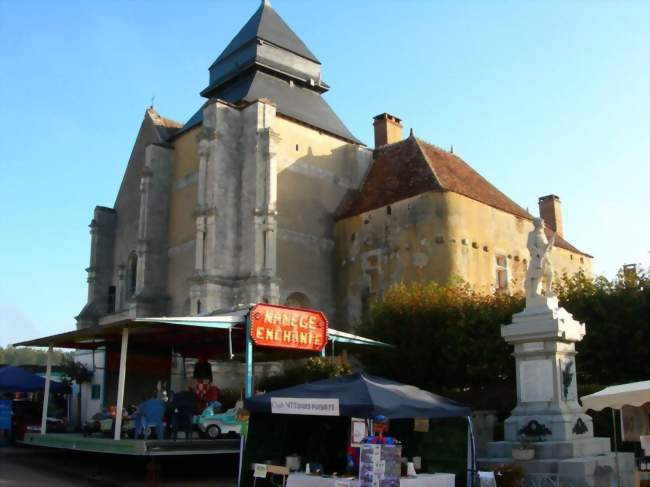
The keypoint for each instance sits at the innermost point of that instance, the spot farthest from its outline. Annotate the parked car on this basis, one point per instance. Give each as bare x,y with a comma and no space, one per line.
212,424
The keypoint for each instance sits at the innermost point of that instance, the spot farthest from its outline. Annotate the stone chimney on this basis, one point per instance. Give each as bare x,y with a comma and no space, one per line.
551,212
388,129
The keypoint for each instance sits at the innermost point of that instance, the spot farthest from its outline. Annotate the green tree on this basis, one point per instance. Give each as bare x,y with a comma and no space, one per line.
448,337
617,316
312,369
445,337
29,356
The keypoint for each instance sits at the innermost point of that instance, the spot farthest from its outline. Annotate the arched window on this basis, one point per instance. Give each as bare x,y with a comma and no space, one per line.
132,280
298,300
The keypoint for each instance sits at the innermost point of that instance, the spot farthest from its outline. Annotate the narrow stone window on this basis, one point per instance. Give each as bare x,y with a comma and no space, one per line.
389,210
198,306
296,147
502,273
110,308
133,274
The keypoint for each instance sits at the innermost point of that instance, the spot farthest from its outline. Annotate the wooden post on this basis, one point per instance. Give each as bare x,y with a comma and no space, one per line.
46,392
120,384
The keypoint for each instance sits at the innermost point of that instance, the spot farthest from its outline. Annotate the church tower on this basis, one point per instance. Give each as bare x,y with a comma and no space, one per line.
274,164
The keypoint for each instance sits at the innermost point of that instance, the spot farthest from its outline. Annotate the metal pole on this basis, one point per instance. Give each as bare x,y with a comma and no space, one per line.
120,384
46,392
248,392
242,443
618,474
248,387
471,447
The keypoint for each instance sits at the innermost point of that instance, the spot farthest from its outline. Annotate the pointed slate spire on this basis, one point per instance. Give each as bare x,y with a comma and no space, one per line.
266,59
266,42
267,25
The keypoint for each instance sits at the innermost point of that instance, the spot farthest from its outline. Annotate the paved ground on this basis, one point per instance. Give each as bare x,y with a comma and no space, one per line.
30,466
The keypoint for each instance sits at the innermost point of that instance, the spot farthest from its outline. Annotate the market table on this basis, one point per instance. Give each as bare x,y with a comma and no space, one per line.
423,480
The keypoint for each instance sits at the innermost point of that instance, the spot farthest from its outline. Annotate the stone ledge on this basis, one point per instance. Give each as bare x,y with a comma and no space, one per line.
557,450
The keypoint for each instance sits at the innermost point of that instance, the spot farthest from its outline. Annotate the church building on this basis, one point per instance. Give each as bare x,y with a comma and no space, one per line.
264,195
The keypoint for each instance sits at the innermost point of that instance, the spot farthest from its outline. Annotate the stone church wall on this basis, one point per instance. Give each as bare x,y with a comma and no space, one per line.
314,173
182,223
127,203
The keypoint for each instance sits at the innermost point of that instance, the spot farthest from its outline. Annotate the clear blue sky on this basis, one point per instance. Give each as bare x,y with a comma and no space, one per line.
539,97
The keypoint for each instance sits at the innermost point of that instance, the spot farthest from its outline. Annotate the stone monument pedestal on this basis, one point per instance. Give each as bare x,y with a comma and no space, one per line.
548,413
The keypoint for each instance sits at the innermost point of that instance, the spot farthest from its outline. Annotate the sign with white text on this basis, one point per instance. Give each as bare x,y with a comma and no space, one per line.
284,327
310,406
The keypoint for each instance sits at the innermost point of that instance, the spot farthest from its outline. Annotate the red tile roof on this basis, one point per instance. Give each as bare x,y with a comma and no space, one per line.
412,167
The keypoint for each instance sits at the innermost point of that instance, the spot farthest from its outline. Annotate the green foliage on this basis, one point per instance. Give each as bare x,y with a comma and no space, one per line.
76,371
314,368
29,356
617,315
446,337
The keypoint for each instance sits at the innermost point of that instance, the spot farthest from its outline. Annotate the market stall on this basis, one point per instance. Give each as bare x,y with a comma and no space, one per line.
422,480
633,403
320,421
152,341
17,379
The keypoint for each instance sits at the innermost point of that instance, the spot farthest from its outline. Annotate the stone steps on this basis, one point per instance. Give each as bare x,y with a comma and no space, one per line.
586,468
554,449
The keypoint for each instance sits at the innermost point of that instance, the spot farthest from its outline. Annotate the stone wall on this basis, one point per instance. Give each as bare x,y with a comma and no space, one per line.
435,236
182,223
314,173
260,192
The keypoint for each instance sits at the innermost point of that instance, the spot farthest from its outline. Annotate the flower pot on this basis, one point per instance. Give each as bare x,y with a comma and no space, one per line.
523,454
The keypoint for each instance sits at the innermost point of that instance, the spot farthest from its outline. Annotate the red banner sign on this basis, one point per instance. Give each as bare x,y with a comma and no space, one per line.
279,326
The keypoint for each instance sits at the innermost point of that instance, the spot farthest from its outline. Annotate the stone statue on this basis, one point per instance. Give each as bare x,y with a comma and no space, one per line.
540,270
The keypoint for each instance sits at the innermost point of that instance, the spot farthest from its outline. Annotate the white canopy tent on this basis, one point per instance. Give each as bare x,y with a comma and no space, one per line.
615,397
632,394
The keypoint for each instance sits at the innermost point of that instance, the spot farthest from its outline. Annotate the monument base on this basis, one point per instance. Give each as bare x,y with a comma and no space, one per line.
548,416
577,463
564,426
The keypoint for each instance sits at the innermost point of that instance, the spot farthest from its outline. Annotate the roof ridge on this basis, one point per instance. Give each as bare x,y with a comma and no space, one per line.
428,161
462,161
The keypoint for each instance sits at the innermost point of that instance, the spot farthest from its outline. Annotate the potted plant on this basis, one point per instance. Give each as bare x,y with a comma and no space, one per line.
524,449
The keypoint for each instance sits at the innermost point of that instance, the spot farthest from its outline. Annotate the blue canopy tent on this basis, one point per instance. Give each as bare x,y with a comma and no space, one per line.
363,396
16,379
